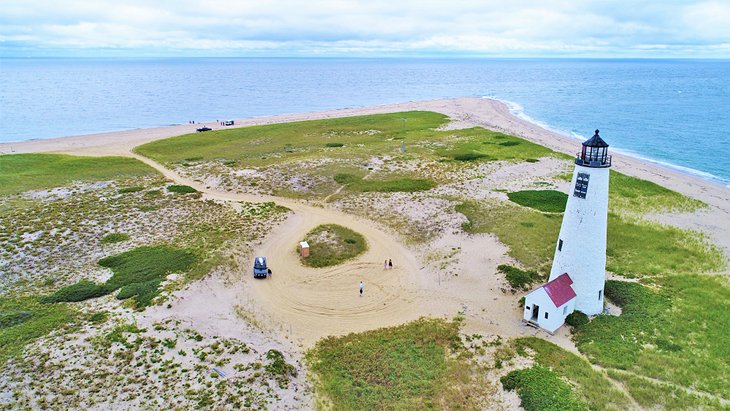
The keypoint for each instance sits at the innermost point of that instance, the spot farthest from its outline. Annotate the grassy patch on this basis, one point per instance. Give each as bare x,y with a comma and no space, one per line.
137,273
652,395
549,201
409,185
24,172
489,146
517,278
132,189
334,145
278,368
22,320
592,387
531,237
405,367
181,189
676,332
114,238
541,390
640,196
331,244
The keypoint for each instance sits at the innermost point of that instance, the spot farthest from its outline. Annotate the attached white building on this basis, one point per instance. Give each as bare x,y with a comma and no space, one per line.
548,305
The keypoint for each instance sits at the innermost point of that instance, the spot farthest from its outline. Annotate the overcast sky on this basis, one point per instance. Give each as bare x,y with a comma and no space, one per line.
492,28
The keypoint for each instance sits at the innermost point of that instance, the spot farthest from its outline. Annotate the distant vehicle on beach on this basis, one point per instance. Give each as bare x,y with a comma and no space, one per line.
201,129
229,122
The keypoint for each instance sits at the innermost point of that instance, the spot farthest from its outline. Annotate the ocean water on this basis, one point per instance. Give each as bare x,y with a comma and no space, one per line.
675,112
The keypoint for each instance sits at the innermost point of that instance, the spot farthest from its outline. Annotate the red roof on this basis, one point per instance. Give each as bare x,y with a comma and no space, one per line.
559,290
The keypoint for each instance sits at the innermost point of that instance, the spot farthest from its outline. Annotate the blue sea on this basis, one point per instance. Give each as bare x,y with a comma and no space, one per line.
675,112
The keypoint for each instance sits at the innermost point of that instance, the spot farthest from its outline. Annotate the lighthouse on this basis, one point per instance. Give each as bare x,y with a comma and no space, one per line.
581,248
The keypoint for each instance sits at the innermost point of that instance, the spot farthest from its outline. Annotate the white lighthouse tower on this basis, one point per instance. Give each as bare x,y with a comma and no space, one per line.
581,248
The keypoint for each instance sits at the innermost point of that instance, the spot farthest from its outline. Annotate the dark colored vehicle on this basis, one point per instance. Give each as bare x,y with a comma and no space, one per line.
201,129
260,270
229,123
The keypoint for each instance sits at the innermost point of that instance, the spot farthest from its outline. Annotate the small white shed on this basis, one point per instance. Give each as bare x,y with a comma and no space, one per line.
304,249
548,305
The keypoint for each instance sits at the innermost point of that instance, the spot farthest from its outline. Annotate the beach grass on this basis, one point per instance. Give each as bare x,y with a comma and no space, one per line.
137,273
592,387
531,237
540,389
25,319
332,244
673,331
411,366
351,138
635,195
24,172
548,201
386,185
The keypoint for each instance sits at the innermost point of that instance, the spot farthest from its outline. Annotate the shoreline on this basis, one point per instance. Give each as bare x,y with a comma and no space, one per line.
464,112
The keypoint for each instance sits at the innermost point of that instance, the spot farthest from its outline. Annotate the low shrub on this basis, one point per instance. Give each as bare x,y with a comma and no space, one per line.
181,189
517,278
576,319
540,389
278,368
548,201
509,143
132,189
114,238
334,144
345,179
469,156
83,290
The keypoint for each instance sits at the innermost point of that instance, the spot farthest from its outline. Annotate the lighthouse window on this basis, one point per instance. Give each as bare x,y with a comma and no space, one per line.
546,315
560,245
581,185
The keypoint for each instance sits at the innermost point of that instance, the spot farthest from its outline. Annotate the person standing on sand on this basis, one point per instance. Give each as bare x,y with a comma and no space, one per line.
362,288
390,263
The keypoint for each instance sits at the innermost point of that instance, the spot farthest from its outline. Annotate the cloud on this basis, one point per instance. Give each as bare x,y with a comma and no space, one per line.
375,27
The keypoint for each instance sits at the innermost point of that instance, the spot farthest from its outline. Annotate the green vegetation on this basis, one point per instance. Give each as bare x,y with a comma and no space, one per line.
132,189
331,244
411,366
541,390
640,196
517,278
278,368
658,395
355,183
675,331
592,387
22,320
24,172
490,145
576,319
137,273
531,237
181,189
548,201
114,238
359,137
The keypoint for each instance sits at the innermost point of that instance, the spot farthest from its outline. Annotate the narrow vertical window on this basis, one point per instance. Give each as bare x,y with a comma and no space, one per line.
565,309
560,245
546,315
600,295
581,185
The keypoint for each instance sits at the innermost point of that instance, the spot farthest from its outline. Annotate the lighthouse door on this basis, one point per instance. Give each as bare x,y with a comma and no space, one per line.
535,311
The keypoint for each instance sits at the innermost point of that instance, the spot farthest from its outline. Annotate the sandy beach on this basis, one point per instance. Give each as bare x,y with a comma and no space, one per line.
304,304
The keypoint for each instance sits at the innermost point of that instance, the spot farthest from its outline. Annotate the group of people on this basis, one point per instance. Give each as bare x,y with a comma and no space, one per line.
387,265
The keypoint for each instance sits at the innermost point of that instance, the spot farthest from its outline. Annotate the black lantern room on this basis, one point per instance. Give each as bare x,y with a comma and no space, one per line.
594,153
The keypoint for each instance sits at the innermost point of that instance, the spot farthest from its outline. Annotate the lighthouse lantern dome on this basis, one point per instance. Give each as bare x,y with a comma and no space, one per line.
594,153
